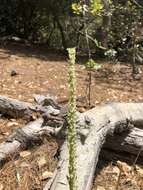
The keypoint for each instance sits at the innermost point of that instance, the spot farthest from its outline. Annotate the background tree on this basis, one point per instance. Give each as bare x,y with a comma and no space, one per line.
112,24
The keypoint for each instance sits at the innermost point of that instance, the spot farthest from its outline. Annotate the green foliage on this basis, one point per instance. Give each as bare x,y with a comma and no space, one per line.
64,23
77,8
126,23
91,64
96,7
72,178
7,17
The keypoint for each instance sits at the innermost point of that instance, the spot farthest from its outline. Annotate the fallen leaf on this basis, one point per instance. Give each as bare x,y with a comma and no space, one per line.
125,168
11,124
100,188
46,175
14,120
25,154
24,164
42,161
116,170
1,187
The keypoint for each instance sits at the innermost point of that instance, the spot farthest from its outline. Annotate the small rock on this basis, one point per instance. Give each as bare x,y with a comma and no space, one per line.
100,188
41,161
13,73
137,77
46,175
25,153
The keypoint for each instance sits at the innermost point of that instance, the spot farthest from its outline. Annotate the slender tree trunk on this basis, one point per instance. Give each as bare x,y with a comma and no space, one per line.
61,31
106,24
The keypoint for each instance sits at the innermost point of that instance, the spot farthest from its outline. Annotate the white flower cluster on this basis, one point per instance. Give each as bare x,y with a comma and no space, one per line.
110,53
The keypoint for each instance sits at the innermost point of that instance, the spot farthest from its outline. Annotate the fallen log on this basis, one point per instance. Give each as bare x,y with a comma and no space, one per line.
14,144
23,137
19,109
34,131
93,126
100,121
127,142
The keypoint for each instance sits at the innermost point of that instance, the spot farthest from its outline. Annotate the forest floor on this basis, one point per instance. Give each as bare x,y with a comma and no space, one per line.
42,71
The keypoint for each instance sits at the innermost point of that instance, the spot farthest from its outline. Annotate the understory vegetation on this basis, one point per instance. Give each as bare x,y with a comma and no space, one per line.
111,28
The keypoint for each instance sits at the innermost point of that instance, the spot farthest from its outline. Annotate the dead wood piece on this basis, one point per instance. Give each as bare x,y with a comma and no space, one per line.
104,120
94,125
10,148
52,120
46,101
19,109
21,138
127,142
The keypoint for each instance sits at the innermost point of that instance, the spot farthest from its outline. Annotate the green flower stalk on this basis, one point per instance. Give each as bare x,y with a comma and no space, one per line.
72,178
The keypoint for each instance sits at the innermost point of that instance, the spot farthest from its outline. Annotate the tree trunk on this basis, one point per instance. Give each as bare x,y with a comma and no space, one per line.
57,20
106,24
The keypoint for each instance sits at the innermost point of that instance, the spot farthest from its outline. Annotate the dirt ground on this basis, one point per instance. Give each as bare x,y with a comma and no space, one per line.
42,71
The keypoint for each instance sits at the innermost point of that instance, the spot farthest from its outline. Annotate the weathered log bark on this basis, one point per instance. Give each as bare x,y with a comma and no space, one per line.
17,109
108,119
127,142
13,145
93,126
23,137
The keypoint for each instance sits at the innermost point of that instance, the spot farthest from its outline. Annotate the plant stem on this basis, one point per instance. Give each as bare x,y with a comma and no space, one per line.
89,88
72,122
